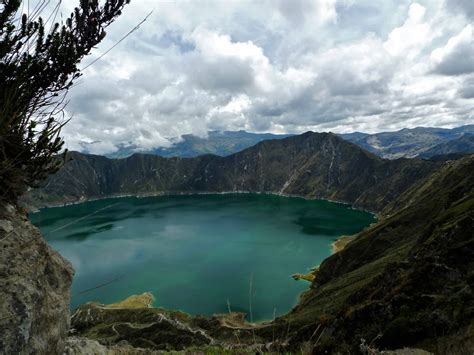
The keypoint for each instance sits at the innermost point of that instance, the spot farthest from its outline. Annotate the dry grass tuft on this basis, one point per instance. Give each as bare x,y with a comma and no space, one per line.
145,300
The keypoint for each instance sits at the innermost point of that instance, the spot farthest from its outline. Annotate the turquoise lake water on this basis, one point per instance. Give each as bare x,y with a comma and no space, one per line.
197,253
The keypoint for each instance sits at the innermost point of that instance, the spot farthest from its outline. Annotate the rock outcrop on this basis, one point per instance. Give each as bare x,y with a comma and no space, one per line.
34,289
160,329
85,346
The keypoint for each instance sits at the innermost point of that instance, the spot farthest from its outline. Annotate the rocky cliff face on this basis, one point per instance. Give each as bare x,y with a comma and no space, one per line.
34,289
313,165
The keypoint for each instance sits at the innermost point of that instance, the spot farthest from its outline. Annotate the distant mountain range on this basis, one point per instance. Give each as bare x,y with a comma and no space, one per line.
417,142
420,142
221,143
463,144
313,165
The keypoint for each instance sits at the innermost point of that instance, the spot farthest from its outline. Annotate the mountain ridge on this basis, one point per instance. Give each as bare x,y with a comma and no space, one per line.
409,142
391,144
311,165
220,143
463,144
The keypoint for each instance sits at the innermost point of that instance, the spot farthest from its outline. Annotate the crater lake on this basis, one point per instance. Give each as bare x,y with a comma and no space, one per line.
201,254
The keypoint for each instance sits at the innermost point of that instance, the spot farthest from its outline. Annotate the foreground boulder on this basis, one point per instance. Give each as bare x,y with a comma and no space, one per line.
34,289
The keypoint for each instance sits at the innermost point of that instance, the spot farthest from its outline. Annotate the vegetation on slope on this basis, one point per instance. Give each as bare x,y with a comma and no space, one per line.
463,144
406,281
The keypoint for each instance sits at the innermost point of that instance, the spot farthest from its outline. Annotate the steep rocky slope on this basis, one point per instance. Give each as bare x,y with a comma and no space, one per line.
408,280
34,289
313,165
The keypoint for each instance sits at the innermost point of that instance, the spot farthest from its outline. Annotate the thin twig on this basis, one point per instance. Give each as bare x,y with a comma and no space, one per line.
235,331
320,335
81,218
273,324
117,43
250,307
100,285
314,333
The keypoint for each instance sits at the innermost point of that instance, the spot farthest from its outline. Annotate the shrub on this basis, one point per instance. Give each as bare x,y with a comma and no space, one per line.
38,65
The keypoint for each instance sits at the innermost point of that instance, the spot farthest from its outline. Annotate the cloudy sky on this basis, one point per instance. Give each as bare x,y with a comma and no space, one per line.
275,66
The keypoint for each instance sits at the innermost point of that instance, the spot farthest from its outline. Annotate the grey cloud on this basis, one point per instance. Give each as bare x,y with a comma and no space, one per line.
173,38
457,56
363,17
466,91
464,6
295,11
345,83
229,74
459,61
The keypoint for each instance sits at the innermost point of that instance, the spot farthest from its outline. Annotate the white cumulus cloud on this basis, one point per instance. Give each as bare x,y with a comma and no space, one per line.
279,66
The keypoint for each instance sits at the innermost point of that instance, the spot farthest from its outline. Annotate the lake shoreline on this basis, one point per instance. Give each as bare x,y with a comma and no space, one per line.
336,246
195,193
